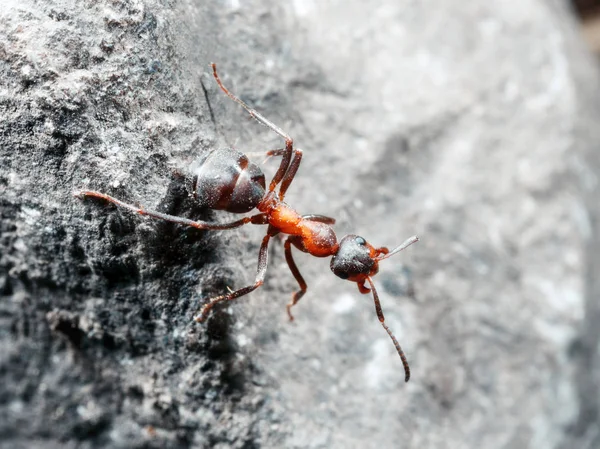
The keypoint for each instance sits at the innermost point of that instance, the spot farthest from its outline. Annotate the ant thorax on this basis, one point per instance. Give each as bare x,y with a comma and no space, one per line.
313,237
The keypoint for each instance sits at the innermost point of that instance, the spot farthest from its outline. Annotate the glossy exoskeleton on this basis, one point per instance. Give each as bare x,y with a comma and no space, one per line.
225,179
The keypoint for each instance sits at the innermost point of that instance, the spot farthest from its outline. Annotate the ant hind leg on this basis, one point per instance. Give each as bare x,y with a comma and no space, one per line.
289,143
261,271
254,219
291,170
290,173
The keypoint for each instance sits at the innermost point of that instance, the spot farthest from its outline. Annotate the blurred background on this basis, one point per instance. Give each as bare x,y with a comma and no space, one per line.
471,124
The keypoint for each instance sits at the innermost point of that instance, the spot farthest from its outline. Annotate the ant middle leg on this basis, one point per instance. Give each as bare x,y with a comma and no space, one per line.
294,269
319,218
254,219
261,270
289,143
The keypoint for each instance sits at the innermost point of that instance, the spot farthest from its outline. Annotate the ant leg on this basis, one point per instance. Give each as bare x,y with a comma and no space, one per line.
289,143
260,278
361,288
254,219
268,154
387,329
294,269
319,218
290,173
291,170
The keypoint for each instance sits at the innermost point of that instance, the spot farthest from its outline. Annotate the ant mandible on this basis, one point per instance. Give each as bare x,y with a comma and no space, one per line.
225,179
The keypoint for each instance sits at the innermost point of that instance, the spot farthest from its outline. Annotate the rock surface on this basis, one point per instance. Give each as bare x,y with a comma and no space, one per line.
473,125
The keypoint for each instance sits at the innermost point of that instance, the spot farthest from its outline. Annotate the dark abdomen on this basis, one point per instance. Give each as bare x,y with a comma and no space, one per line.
226,180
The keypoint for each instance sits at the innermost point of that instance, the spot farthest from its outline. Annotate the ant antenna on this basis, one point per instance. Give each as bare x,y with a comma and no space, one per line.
382,321
406,244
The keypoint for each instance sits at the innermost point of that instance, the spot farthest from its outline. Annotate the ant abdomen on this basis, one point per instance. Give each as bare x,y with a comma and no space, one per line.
225,179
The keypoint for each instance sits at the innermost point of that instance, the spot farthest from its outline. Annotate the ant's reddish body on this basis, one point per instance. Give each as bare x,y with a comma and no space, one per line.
226,179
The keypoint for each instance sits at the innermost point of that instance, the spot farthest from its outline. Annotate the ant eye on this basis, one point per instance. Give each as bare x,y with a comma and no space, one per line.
360,241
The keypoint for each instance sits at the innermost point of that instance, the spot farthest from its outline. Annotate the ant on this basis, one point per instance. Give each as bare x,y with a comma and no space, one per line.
225,179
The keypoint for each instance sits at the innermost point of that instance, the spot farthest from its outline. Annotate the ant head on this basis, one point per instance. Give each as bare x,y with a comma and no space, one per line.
356,260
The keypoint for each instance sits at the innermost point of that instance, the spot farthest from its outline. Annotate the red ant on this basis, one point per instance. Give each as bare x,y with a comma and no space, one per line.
225,179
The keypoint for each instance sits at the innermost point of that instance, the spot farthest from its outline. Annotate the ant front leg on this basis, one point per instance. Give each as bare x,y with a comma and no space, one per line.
361,288
289,143
260,278
254,219
294,269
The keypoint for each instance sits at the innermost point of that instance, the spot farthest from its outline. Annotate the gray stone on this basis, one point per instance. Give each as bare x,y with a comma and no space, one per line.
473,125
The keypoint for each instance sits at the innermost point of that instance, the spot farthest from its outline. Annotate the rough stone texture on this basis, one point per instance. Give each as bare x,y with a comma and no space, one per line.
472,124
